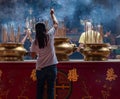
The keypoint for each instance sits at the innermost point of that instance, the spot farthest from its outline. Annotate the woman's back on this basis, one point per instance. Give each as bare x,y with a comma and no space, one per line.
46,55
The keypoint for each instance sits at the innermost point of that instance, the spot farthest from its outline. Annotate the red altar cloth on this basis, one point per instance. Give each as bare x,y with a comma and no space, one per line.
75,80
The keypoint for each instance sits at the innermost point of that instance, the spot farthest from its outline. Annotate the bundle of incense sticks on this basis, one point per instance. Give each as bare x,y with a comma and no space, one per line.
10,37
4,35
61,31
95,35
18,35
101,34
85,33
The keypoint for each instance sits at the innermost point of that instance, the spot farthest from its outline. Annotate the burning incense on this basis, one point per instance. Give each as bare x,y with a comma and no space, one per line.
96,35
18,35
12,36
4,35
101,34
85,33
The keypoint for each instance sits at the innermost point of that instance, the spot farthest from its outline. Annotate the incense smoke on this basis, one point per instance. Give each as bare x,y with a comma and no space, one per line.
103,12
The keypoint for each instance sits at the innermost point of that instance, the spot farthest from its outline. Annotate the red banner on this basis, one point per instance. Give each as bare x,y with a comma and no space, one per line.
75,80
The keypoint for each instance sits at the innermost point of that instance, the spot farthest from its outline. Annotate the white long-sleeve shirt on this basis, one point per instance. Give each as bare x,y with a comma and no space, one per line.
47,55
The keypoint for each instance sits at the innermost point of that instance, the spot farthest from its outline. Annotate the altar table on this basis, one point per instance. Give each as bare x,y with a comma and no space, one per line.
76,79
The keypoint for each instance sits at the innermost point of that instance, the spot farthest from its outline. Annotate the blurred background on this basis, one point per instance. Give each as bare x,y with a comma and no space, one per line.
71,13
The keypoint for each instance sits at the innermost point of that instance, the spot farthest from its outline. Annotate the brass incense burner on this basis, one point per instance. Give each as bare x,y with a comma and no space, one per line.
12,51
64,48
95,52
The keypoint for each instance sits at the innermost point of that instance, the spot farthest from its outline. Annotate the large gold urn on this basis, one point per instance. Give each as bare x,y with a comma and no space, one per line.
12,51
64,48
96,52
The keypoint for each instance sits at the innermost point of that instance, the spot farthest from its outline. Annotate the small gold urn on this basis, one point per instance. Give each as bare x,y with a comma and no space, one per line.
64,48
95,52
12,51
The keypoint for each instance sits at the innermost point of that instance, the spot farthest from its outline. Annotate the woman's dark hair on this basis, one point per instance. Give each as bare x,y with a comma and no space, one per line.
41,37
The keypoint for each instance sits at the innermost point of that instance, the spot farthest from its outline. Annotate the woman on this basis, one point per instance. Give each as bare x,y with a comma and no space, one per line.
43,45
26,41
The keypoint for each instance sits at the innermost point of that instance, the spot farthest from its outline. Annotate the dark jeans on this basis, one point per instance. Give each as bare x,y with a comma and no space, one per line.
48,75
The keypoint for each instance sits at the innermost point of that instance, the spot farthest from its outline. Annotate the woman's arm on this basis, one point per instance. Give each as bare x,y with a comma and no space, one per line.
54,19
28,35
23,40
